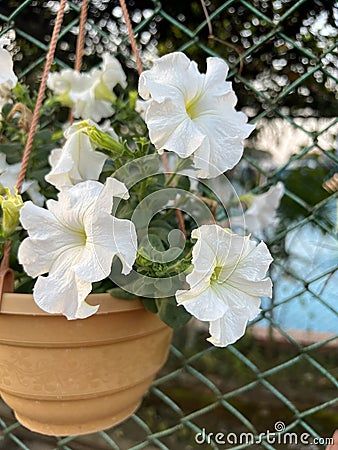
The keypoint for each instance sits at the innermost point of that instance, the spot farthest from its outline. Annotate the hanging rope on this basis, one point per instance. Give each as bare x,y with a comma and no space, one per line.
41,93
133,43
80,42
6,274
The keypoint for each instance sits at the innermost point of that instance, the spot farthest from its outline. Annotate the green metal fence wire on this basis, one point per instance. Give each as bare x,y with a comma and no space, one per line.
250,386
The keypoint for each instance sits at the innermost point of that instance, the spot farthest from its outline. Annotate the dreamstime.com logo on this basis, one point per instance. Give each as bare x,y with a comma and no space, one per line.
279,437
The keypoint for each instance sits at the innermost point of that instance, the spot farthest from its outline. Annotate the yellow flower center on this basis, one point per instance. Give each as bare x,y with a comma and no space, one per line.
79,235
191,107
83,236
102,92
215,275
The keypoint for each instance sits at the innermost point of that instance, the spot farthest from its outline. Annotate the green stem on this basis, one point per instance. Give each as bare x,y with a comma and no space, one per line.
175,174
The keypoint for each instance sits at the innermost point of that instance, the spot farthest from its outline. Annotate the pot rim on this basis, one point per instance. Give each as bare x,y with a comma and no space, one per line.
23,304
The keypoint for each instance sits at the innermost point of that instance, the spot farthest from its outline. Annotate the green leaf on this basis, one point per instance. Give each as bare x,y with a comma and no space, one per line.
25,286
173,315
150,304
120,293
183,183
156,242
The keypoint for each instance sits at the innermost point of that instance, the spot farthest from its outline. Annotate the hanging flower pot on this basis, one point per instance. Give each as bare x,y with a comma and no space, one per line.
73,377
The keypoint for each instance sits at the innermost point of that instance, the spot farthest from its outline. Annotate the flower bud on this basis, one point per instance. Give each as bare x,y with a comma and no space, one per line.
100,138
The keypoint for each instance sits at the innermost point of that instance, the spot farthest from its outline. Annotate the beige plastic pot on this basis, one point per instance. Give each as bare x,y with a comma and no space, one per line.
74,377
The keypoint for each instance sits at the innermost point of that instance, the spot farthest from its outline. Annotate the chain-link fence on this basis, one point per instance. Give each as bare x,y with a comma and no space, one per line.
284,69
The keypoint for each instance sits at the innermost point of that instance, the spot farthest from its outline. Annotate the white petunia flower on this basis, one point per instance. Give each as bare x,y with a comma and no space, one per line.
262,211
226,283
89,94
75,241
7,75
8,178
193,114
78,160
8,78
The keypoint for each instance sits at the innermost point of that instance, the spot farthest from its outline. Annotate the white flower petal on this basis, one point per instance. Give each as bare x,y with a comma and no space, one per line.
7,75
226,247
93,109
141,107
205,305
258,288
217,71
61,292
222,148
8,178
112,72
89,163
80,89
78,202
171,129
262,213
62,169
170,76
39,222
107,237
113,188
33,190
125,241
62,82
231,327
254,264
47,240
36,257
107,128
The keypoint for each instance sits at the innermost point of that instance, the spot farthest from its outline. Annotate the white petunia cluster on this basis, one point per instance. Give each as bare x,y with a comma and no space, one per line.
75,239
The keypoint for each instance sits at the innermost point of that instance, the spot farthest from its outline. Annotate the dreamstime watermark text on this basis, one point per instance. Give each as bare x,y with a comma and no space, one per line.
277,436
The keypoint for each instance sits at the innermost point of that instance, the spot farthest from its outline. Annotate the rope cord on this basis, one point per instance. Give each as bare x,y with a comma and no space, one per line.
133,43
41,93
81,36
80,43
